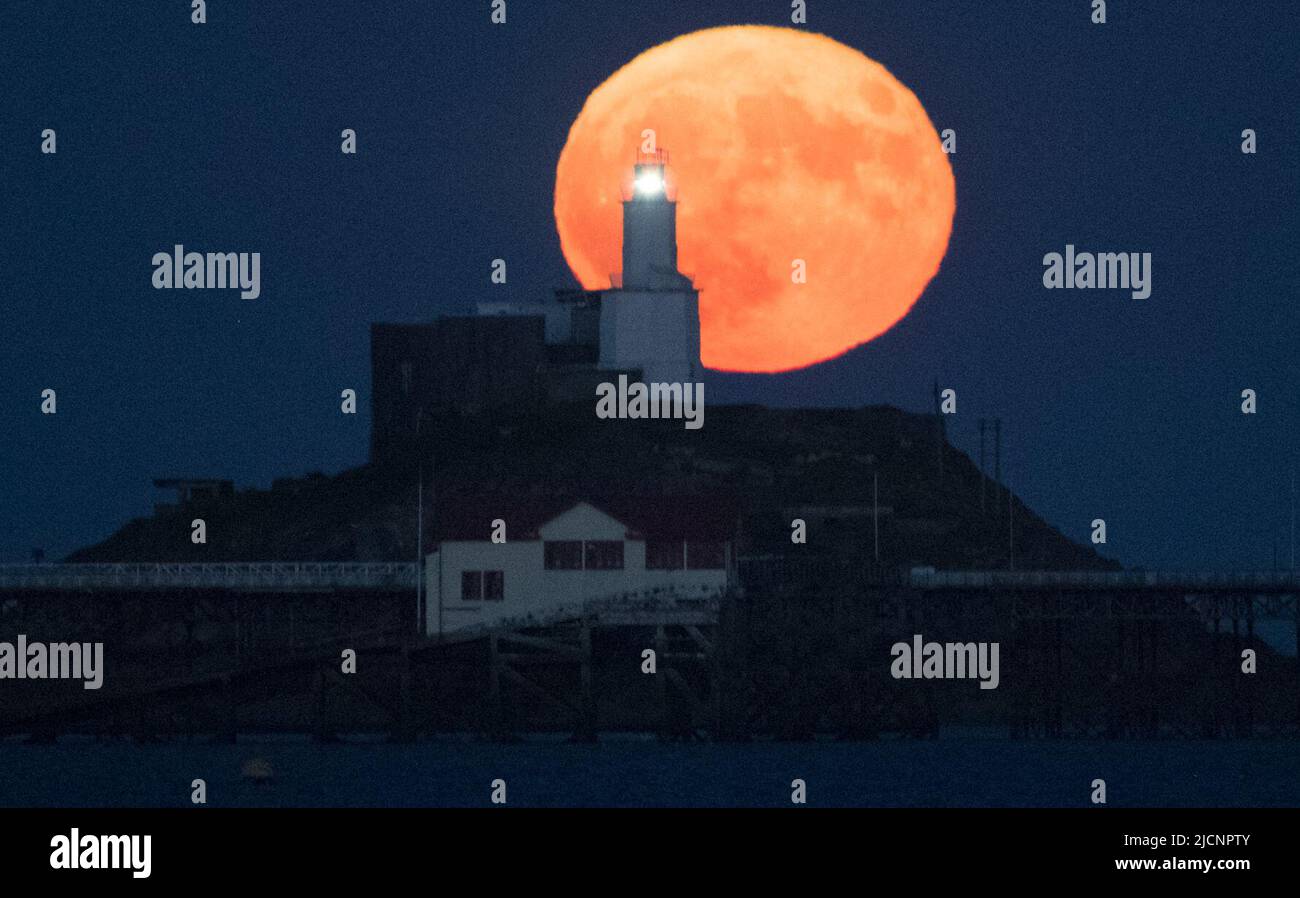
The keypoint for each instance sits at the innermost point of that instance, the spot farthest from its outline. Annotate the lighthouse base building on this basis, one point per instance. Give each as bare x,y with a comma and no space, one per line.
516,355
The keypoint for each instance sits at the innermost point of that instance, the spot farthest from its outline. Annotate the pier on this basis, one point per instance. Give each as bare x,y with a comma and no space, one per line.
799,646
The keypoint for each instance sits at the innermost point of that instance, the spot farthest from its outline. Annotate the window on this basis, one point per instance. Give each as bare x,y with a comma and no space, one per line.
406,378
605,555
575,555
482,585
563,555
471,586
663,555
706,556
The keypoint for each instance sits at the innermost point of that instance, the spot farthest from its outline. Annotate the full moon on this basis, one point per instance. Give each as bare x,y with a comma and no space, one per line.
815,200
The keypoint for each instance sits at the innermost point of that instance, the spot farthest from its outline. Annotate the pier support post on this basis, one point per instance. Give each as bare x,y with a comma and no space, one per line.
1295,609
229,711
1216,670
320,705
1238,720
404,722
587,718
498,728
1250,682
661,682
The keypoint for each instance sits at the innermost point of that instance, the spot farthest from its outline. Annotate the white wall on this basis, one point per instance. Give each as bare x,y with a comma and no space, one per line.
657,332
531,589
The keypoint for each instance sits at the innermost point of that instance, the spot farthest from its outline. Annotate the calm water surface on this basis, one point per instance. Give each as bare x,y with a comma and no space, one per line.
624,772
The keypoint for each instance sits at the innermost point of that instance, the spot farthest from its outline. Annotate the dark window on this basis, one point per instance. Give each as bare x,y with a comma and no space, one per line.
663,555
563,556
471,586
605,555
706,555
494,585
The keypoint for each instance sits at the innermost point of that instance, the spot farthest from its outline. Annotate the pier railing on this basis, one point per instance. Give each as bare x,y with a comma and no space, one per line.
293,575
268,576
1190,581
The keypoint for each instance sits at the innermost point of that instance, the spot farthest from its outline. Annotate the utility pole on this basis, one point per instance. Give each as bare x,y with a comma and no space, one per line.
940,429
983,476
419,549
433,488
421,614
1293,519
875,511
997,451
1011,534
997,462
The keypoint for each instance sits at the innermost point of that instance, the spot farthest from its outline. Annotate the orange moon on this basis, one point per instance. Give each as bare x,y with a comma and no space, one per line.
785,145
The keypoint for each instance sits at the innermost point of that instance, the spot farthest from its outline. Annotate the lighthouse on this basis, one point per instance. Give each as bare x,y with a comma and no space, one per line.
650,318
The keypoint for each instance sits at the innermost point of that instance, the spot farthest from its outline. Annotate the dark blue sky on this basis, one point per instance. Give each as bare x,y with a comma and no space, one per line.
225,136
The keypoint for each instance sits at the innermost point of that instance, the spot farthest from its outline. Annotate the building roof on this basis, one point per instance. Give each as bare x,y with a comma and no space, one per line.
700,517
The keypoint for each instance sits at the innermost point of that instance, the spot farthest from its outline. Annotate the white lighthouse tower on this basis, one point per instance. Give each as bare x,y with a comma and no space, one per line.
651,318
